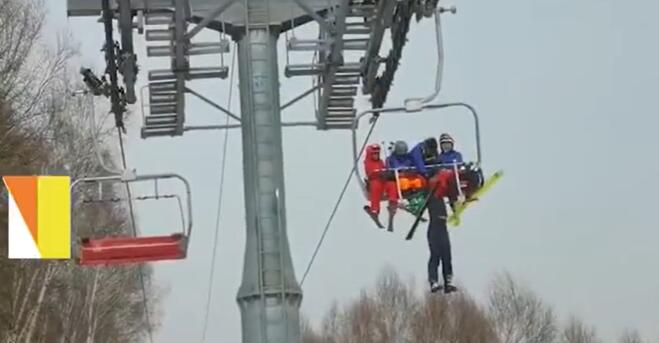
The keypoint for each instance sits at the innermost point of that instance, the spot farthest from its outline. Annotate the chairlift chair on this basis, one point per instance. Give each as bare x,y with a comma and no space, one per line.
124,250
469,175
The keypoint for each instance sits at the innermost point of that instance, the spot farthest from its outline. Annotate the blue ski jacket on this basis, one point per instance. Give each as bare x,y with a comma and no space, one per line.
397,162
417,157
449,157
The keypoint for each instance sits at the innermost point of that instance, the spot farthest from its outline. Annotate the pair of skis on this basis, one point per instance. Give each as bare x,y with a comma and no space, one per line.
460,207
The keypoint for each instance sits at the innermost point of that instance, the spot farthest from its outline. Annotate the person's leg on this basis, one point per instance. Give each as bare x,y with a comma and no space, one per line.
441,238
434,241
433,260
376,188
444,242
392,195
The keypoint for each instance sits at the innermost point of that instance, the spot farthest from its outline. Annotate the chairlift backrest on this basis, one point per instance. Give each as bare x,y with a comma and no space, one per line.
154,177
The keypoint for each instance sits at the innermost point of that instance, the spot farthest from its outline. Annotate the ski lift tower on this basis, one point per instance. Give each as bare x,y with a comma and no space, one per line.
270,296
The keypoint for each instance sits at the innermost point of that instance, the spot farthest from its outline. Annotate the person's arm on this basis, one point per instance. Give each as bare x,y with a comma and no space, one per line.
458,157
369,169
417,160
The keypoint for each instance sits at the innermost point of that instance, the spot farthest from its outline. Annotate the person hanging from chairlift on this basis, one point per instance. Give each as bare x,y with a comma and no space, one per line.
439,243
445,184
379,182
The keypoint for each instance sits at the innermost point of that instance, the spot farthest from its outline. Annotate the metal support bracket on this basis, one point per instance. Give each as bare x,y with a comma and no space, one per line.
208,19
323,24
210,102
300,97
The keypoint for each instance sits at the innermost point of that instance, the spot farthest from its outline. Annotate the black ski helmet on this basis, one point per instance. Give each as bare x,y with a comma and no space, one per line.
429,149
430,144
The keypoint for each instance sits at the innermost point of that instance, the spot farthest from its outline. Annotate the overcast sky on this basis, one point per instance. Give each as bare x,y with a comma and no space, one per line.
566,91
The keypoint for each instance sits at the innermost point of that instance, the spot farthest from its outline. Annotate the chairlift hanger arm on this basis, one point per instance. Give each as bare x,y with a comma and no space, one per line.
440,59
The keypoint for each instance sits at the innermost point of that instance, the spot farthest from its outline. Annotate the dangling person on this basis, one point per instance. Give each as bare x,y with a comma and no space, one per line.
439,242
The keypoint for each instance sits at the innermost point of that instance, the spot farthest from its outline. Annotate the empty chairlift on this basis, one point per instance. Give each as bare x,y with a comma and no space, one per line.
127,249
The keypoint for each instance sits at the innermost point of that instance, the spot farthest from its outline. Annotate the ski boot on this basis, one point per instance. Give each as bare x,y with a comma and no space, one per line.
435,286
448,285
374,216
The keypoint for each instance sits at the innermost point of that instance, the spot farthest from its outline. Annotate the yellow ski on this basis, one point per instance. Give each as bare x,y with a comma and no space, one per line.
460,207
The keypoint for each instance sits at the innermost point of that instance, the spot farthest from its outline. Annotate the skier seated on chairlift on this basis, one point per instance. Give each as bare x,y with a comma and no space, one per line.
448,154
423,155
400,162
400,157
410,182
379,183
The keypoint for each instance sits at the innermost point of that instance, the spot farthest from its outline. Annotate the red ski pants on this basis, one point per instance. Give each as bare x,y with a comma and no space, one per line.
376,188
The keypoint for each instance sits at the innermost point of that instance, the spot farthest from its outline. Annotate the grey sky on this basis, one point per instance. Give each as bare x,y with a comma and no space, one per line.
566,92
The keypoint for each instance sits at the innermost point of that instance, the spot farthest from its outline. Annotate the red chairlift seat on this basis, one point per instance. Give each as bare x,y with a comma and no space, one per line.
125,250
130,250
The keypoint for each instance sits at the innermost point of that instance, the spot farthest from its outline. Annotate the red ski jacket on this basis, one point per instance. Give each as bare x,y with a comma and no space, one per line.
447,184
372,161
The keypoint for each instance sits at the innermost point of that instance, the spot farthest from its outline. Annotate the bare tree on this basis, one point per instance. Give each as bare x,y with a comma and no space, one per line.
307,333
331,326
630,336
395,301
577,332
43,129
519,316
393,313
